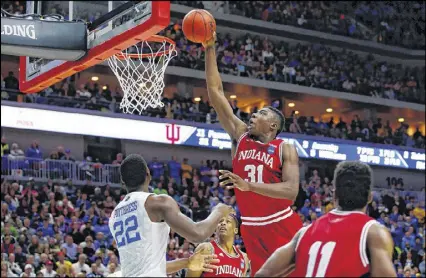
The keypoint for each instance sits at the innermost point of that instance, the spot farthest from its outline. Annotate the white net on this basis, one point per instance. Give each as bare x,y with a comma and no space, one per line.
140,72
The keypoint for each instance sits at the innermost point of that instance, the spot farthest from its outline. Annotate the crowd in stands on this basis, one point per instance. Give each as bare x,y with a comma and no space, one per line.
312,65
178,108
399,23
57,229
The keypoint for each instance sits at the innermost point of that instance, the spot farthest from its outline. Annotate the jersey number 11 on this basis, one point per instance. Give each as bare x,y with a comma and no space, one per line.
326,252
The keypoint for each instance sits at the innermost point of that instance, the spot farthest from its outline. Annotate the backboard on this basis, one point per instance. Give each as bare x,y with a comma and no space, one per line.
114,26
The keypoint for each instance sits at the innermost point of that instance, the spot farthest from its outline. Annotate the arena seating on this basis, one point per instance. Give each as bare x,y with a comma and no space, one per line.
55,210
397,23
188,110
75,215
312,65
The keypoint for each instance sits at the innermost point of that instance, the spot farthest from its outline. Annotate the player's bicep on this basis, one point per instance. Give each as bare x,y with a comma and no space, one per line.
290,169
166,208
380,247
279,262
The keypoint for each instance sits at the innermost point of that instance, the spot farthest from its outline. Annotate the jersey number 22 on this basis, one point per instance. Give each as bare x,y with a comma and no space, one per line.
128,227
326,252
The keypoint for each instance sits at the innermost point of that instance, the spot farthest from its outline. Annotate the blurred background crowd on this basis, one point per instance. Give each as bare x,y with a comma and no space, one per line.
57,228
394,23
54,223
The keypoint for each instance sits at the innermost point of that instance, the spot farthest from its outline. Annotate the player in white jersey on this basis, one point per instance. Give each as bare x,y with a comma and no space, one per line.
141,222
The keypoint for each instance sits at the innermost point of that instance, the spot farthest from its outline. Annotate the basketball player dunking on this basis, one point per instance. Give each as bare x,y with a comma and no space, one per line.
233,262
343,243
266,171
141,222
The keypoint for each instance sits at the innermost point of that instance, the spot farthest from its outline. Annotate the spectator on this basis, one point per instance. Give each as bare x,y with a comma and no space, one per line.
175,170
28,271
4,146
64,267
10,82
13,265
156,168
48,270
70,247
159,189
80,265
16,153
94,271
186,169
34,151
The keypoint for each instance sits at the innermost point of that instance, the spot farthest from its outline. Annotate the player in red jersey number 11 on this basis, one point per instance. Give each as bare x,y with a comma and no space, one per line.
345,242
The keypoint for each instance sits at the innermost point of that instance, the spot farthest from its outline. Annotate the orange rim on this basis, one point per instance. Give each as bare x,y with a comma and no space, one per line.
154,38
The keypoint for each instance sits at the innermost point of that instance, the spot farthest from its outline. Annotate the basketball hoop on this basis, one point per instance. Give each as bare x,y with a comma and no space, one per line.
141,74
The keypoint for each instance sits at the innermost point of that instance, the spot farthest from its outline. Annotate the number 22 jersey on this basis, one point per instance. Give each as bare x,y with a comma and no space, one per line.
141,243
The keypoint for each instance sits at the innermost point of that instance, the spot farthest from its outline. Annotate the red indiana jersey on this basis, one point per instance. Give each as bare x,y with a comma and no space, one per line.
257,162
335,245
230,265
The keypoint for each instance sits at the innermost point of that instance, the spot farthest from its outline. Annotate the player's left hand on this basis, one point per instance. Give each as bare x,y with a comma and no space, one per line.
236,181
201,262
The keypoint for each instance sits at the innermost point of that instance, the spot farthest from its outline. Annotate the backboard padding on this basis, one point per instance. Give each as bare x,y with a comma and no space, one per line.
102,46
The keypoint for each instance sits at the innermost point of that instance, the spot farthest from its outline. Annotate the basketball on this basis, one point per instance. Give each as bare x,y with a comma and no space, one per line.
198,26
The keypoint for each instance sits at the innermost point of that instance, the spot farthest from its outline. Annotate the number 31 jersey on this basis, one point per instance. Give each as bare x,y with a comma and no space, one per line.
257,162
141,243
335,245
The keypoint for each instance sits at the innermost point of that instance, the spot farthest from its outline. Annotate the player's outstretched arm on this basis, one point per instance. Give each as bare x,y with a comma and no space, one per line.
165,208
279,263
380,246
287,189
201,261
204,248
232,125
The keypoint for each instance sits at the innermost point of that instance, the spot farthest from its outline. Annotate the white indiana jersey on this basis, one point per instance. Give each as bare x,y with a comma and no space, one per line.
141,243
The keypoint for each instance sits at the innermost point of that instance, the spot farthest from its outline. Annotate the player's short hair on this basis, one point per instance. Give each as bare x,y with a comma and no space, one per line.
133,172
352,181
280,117
237,222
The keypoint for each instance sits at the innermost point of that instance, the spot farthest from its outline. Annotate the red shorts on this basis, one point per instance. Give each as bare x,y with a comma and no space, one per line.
262,236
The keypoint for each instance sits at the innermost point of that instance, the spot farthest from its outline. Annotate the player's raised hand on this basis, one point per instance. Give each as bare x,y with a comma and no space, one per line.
231,180
225,210
210,42
201,262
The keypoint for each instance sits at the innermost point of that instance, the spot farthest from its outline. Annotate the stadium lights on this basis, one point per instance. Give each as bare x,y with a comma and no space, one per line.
291,104
401,120
95,78
329,110
296,112
197,99
233,96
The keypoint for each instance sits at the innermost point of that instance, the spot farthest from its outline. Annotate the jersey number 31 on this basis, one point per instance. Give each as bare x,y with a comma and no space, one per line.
128,227
254,174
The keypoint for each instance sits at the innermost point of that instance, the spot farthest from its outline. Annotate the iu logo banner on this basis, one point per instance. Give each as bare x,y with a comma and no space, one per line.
172,133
